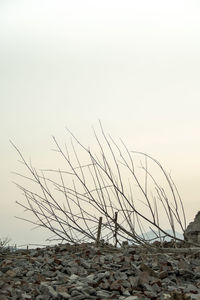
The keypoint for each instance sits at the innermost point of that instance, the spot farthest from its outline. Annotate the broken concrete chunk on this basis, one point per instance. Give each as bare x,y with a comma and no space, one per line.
192,232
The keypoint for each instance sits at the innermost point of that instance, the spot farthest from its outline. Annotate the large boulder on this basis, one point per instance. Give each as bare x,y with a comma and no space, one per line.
192,232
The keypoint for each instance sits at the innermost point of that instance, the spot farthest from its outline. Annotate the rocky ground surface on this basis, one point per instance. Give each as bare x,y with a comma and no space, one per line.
85,271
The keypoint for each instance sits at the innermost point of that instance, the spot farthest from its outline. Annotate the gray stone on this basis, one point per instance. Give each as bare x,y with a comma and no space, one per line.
25,296
120,275
73,277
43,297
75,292
48,290
126,293
103,294
150,295
100,276
88,290
78,297
90,277
64,295
30,273
132,298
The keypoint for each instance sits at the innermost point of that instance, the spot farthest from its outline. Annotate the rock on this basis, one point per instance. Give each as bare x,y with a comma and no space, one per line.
26,296
11,273
103,294
163,274
73,277
64,295
30,273
126,293
192,232
132,298
48,290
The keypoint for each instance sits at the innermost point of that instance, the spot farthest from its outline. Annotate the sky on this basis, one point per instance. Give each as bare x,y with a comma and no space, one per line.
134,65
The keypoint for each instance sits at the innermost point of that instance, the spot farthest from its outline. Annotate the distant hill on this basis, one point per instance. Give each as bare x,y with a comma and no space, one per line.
150,235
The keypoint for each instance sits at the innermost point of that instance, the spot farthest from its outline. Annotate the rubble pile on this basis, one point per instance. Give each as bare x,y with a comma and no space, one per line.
86,271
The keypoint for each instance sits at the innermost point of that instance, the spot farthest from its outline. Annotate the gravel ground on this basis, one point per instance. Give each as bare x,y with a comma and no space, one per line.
85,271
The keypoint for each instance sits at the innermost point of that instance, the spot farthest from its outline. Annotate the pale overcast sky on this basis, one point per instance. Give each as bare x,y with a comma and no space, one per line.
135,65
